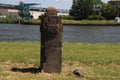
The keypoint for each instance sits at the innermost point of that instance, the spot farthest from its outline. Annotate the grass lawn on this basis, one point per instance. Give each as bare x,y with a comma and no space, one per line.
79,22
90,22
96,61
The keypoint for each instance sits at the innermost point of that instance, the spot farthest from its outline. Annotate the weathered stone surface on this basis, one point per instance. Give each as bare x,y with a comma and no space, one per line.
51,42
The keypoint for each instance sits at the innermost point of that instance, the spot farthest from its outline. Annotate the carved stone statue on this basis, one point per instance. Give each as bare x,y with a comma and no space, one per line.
51,42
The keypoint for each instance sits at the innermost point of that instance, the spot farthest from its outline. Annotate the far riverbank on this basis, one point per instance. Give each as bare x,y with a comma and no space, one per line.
79,22
65,22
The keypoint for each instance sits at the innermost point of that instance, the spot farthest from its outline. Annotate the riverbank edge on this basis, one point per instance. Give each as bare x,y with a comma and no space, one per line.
78,22
72,22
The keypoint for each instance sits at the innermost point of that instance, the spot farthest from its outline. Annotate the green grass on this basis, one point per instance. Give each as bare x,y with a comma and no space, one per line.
96,61
89,22
89,53
33,22
65,22
19,52
8,20
78,22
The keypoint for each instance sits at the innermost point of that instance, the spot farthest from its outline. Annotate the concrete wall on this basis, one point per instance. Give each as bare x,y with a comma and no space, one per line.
4,11
9,12
62,14
36,14
15,13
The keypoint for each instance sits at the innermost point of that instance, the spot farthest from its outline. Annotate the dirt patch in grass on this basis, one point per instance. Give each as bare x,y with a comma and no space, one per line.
7,74
91,72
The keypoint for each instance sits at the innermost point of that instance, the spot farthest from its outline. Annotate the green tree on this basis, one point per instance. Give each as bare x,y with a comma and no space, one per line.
97,7
81,9
109,11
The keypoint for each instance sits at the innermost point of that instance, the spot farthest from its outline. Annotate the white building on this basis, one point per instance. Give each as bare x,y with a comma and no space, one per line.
36,14
12,11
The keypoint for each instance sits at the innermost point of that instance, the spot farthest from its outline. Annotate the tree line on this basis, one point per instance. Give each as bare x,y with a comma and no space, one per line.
93,10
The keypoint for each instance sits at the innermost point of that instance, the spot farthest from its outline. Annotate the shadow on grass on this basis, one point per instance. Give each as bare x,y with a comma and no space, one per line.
27,70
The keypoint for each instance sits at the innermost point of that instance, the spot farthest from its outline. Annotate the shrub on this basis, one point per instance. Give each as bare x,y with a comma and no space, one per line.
8,20
95,17
67,17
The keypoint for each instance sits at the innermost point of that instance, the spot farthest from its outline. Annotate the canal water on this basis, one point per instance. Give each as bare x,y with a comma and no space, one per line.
92,34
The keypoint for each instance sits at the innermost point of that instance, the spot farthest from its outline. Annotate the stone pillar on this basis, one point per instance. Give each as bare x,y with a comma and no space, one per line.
51,42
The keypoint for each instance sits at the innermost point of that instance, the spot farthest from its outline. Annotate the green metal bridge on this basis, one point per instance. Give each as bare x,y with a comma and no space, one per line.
25,10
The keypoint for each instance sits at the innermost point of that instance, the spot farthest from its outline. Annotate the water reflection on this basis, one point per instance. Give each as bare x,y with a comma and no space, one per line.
100,34
15,32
